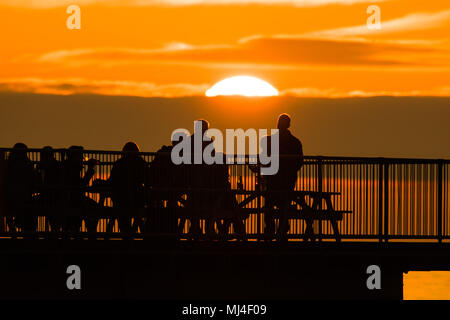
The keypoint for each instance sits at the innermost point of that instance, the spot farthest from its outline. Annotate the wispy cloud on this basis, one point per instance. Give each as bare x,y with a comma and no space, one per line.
146,89
61,3
309,92
101,87
271,51
410,22
125,53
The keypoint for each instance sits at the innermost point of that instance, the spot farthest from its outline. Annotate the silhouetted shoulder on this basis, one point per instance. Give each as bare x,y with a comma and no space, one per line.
296,142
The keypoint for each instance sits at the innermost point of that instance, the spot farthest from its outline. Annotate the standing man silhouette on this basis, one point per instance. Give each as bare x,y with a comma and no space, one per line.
283,182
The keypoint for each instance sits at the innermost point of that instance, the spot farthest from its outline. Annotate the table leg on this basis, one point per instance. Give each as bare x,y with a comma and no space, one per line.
308,212
335,229
181,225
333,220
283,220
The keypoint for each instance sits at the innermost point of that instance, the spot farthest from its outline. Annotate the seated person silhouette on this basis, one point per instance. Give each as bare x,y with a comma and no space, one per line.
50,187
20,182
225,211
290,161
73,193
200,179
166,182
128,178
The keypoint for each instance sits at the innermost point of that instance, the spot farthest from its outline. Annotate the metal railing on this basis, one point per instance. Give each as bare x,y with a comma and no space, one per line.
389,199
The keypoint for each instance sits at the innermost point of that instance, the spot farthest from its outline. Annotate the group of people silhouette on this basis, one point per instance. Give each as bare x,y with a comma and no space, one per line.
146,195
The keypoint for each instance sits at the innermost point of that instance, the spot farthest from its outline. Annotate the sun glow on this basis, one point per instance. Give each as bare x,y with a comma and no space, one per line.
242,86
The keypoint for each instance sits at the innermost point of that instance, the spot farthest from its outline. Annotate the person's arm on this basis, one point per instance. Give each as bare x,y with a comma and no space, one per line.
300,153
89,172
265,141
147,173
112,176
35,178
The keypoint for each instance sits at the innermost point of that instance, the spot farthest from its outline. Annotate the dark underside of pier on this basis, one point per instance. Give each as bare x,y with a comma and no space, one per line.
164,270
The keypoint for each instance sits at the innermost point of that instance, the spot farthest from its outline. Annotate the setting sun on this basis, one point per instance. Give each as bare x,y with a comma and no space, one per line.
242,86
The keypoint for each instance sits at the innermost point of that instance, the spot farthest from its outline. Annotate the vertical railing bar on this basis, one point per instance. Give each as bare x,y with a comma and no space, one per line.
380,200
440,183
320,186
347,172
361,199
258,200
386,202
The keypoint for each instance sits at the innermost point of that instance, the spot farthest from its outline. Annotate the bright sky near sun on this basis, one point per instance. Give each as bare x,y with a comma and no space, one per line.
242,85
183,47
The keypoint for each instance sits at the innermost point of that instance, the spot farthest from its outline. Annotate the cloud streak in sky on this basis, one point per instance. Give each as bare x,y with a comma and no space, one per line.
62,3
334,47
145,89
101,87
410,22
271,51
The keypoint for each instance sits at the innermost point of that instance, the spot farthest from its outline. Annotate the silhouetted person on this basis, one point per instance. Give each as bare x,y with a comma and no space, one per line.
166,181
50,186
225,206
74,184
20,180
128,178
290,161
200,177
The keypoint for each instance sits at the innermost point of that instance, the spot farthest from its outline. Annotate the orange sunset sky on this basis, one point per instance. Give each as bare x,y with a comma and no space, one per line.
182,47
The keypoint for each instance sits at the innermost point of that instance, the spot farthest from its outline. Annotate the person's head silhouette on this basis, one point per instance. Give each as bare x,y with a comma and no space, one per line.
284,121
75,155
130,148
204,125
47,154
19,152
19,146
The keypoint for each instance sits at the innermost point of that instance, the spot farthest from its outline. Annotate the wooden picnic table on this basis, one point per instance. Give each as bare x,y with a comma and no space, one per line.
309,213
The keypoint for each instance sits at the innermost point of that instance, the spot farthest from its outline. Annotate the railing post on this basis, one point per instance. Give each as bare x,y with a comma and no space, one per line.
380,200
258,200
386,201
440,194
2,192
320,189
